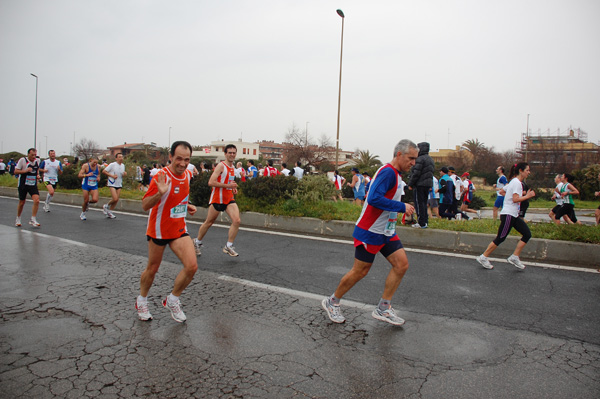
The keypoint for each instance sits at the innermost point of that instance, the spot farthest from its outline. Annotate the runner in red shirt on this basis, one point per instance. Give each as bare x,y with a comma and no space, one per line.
167,201
224,188
270,170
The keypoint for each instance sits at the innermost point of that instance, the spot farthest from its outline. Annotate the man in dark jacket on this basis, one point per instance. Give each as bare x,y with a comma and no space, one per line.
421,182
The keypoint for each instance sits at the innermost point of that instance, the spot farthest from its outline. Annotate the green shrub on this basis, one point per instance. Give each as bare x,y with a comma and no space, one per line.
68,179
200,191
477,202
269,190
314,188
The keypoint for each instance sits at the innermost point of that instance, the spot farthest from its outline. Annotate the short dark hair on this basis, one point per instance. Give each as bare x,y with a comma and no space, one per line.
251,162
49,151
31,149
298,164
270,162
118,153
284,164
228,146
178,143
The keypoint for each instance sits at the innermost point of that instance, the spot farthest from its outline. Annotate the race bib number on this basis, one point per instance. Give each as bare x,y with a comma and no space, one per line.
390,226
52,180
92,181
231,180
179,211
30,180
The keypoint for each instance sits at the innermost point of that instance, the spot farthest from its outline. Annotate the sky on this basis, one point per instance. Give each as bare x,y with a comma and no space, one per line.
442,71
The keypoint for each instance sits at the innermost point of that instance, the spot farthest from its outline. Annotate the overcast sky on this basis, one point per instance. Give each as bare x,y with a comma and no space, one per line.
128,70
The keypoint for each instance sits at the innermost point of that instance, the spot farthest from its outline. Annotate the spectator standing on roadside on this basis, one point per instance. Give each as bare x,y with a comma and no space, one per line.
420,182
458,189
11,165
2,167
509,217
367,182
146,178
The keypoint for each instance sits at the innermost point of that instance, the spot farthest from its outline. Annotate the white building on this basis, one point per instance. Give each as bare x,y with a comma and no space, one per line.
216,151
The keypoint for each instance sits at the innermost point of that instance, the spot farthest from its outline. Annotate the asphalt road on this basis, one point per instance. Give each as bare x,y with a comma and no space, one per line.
460,316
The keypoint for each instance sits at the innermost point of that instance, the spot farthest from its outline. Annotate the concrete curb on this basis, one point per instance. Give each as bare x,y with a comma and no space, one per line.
537,250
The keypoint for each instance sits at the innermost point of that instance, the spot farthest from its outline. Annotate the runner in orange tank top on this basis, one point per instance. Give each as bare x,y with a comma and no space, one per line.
224,188
167,201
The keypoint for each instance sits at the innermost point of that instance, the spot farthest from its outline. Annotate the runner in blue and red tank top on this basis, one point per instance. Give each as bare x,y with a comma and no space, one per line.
224,188
375,231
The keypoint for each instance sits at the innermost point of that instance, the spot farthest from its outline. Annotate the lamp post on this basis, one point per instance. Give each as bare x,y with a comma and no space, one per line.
337,139
169,143
527,139
306,132
36,96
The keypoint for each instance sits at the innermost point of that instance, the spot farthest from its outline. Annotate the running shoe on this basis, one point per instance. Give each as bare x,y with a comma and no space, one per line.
478,214
111,215
46,207
516,262
82,216
198,247
230,251
333,311
105,210
388,315
18,222
34,222
175,308
484,262
143,311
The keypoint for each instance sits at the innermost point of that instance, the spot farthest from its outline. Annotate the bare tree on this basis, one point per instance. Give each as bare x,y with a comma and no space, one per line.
86,148
301,147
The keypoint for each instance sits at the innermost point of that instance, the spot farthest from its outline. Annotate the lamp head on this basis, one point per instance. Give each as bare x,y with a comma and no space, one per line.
340,13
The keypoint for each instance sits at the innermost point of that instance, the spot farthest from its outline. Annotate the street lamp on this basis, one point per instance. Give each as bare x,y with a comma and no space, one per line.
337,140
36,95
306,140
527,139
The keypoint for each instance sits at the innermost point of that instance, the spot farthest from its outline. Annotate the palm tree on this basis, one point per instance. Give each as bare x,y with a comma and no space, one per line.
474,146
366,160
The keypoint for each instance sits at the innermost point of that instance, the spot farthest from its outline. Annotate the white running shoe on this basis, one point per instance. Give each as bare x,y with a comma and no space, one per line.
143,311
333,311
175,308
478,214
230,251
34,222
198,247
105,209
484,262
111,215
82,216
388,315
18,222
46,207
516,262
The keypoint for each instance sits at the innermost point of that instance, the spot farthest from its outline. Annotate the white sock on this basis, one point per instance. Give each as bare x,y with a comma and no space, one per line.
172,298
48,199
229,244
199,242
142,299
